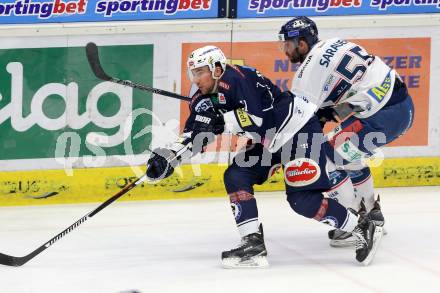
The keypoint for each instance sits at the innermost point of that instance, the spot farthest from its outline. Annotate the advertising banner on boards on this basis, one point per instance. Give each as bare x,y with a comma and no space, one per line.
289,8
52,106
61,11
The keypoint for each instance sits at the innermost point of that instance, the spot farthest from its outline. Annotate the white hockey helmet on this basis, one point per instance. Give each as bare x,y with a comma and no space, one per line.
206,56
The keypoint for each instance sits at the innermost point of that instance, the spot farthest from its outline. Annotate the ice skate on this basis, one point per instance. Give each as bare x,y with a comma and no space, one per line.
368,239
250,254
339,238
376,215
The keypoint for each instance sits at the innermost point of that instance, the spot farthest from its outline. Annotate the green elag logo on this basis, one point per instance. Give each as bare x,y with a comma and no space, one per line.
46,93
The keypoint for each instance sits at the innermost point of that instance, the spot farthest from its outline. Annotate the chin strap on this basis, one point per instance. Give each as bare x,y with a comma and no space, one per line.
215,88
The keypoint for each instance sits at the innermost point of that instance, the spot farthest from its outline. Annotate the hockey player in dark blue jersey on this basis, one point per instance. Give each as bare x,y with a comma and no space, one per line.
239,100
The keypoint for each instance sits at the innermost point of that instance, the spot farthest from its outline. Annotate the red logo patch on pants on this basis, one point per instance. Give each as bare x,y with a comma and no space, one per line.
338,136
301,172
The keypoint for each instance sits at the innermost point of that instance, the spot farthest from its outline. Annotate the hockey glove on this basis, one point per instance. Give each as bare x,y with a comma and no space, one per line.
208,122
325,115
159,166
206,125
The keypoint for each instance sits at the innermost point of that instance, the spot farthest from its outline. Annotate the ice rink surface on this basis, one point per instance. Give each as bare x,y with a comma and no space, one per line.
175,246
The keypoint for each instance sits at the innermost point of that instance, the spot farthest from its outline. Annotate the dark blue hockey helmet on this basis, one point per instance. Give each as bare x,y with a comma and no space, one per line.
299,27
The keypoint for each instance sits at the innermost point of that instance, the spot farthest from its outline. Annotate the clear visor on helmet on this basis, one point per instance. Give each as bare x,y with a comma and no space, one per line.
286,45
197,72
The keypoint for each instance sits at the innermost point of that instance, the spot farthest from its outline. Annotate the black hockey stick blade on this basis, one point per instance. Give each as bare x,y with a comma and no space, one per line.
93,58
17,261
10,260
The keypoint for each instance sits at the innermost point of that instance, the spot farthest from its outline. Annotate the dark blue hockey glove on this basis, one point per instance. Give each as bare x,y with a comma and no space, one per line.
206,125
208,121
159,166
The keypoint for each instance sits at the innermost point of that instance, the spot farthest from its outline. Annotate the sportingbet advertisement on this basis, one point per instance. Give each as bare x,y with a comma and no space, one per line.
288,8
52,106
47,11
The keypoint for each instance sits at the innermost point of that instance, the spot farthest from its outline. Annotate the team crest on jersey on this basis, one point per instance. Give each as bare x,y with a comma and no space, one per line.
301,172
203,105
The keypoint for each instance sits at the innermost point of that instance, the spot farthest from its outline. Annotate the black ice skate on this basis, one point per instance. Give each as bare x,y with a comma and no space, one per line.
339,238
368,238
376,214
250,254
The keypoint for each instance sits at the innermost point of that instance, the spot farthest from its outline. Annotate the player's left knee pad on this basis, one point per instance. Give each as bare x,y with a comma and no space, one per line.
306,202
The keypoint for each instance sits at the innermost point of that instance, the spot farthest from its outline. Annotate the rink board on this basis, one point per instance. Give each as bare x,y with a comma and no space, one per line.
189,181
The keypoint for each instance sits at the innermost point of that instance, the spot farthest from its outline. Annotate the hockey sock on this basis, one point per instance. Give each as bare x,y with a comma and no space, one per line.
244,208
312,204
334,214
363,186
342,190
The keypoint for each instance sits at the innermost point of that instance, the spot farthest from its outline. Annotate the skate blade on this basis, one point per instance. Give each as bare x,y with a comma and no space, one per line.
377,237
342,243
254,262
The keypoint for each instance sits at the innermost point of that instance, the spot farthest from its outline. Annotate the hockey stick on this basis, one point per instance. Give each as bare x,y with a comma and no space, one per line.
17,261
93,58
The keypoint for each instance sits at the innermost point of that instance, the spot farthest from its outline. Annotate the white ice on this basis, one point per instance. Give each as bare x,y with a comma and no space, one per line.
175,246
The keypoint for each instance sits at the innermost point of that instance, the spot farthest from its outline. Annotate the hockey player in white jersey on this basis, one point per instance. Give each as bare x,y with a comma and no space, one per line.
350,85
